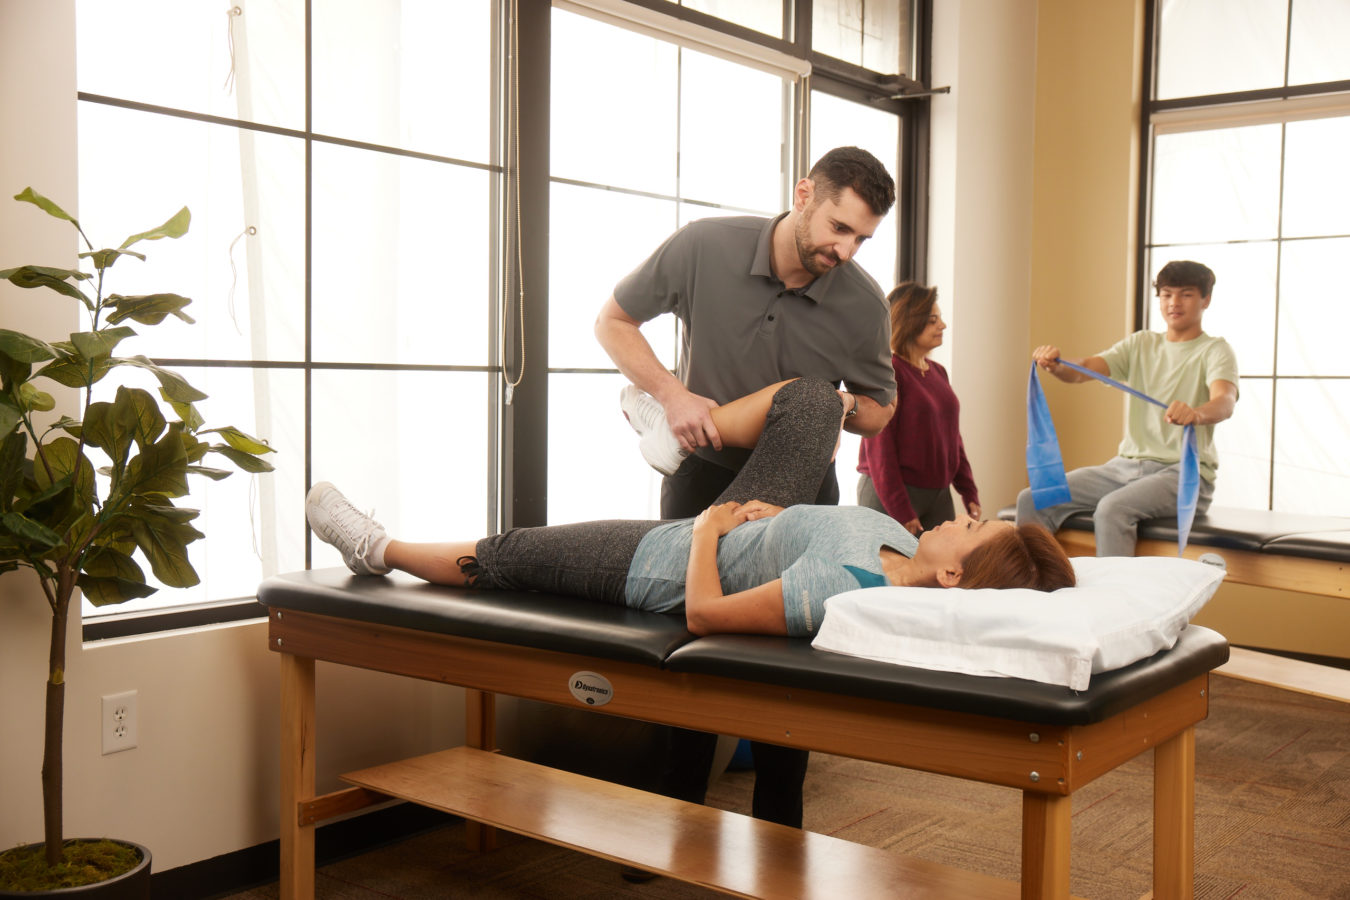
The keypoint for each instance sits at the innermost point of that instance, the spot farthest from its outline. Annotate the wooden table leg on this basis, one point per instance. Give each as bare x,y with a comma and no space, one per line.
480,732
1046,834
297,776
1174,817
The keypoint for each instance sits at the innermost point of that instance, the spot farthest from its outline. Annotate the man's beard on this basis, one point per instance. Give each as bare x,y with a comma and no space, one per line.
808,253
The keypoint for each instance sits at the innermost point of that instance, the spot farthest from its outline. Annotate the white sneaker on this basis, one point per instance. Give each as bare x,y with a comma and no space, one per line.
658,445
335,521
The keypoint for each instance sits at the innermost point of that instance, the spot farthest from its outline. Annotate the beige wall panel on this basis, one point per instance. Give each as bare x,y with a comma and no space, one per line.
1084,212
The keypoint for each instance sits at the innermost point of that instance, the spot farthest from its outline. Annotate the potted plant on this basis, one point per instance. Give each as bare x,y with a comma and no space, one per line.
82,499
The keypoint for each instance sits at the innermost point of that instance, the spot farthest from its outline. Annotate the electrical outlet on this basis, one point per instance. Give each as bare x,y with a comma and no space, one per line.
119,722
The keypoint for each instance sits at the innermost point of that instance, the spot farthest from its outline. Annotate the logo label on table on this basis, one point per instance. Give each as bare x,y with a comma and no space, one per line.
590,688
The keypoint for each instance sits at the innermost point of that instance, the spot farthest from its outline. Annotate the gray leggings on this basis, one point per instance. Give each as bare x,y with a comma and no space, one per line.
591,559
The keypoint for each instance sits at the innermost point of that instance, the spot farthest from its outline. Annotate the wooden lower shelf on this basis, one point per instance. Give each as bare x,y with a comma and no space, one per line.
1290,674
713,848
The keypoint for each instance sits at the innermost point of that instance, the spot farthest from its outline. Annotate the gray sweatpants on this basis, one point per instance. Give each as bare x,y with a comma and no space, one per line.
1120,493
591,559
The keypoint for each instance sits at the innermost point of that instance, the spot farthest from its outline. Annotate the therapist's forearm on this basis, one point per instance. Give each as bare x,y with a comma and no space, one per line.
634,357
871,417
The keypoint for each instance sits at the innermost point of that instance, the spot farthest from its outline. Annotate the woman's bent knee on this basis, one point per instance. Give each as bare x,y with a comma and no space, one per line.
808,396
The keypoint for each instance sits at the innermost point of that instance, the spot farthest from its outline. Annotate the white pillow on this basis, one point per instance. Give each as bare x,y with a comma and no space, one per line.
1122,610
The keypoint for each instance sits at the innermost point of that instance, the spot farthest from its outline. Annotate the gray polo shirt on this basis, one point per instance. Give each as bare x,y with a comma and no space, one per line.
743,329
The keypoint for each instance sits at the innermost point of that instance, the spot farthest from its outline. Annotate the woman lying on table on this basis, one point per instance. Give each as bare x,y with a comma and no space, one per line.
757,561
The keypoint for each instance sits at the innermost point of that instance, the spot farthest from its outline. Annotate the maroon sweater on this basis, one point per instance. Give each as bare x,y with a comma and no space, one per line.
921,446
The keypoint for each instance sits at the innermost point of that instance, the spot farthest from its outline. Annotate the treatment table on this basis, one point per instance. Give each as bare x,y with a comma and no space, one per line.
1044,740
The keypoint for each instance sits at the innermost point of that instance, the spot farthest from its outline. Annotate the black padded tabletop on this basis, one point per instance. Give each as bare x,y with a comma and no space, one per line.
1332,545
541,621
795,663
1241,529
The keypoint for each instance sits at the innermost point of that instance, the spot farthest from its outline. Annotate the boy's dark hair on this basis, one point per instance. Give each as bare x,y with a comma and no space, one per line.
1183,273
851,167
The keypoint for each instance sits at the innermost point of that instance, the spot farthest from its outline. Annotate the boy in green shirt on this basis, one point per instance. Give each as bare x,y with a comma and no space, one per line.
1195,373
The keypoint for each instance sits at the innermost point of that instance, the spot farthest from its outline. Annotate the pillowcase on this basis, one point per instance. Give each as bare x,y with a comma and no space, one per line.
1123,609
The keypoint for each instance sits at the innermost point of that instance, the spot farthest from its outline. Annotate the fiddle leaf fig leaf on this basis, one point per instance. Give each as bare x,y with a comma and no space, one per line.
174,386
49,271
148,309
175,227
111,591
103,259
187,413
28,195
194,448
163,536
44,276
140,414
109,576
112,427
67,464
160,468
75,371
213,474
22,348
33,399
13,455
29,532
107,562
13,372
241,441
100,344
245,461
99,430
10,416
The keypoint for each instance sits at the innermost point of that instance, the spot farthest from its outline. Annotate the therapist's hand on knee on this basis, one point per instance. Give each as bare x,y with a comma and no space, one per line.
690,419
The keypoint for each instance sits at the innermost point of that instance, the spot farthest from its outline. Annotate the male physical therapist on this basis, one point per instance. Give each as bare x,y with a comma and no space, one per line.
759,301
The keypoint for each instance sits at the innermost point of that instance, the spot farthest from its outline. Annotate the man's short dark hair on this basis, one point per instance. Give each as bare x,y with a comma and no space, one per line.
1184,273
851,167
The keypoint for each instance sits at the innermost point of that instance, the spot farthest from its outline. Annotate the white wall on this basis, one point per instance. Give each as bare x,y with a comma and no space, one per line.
203,780
980,224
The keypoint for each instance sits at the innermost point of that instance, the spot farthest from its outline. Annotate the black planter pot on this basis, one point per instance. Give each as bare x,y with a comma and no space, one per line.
132,885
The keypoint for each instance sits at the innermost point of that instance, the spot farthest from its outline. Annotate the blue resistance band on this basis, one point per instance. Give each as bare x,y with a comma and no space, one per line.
1045,465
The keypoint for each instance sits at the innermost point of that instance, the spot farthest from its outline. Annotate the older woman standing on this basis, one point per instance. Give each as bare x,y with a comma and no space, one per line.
908,469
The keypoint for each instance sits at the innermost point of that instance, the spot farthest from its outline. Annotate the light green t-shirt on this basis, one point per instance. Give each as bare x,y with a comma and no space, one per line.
1169,370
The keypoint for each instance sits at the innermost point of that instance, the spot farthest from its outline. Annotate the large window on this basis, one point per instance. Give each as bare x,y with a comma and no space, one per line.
1249,133
340,258
704,134
354,237
620,186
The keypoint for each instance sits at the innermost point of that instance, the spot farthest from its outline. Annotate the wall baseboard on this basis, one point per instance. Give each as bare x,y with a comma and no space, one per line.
251,867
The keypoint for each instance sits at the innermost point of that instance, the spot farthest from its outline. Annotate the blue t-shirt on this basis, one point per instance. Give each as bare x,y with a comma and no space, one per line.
818,551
